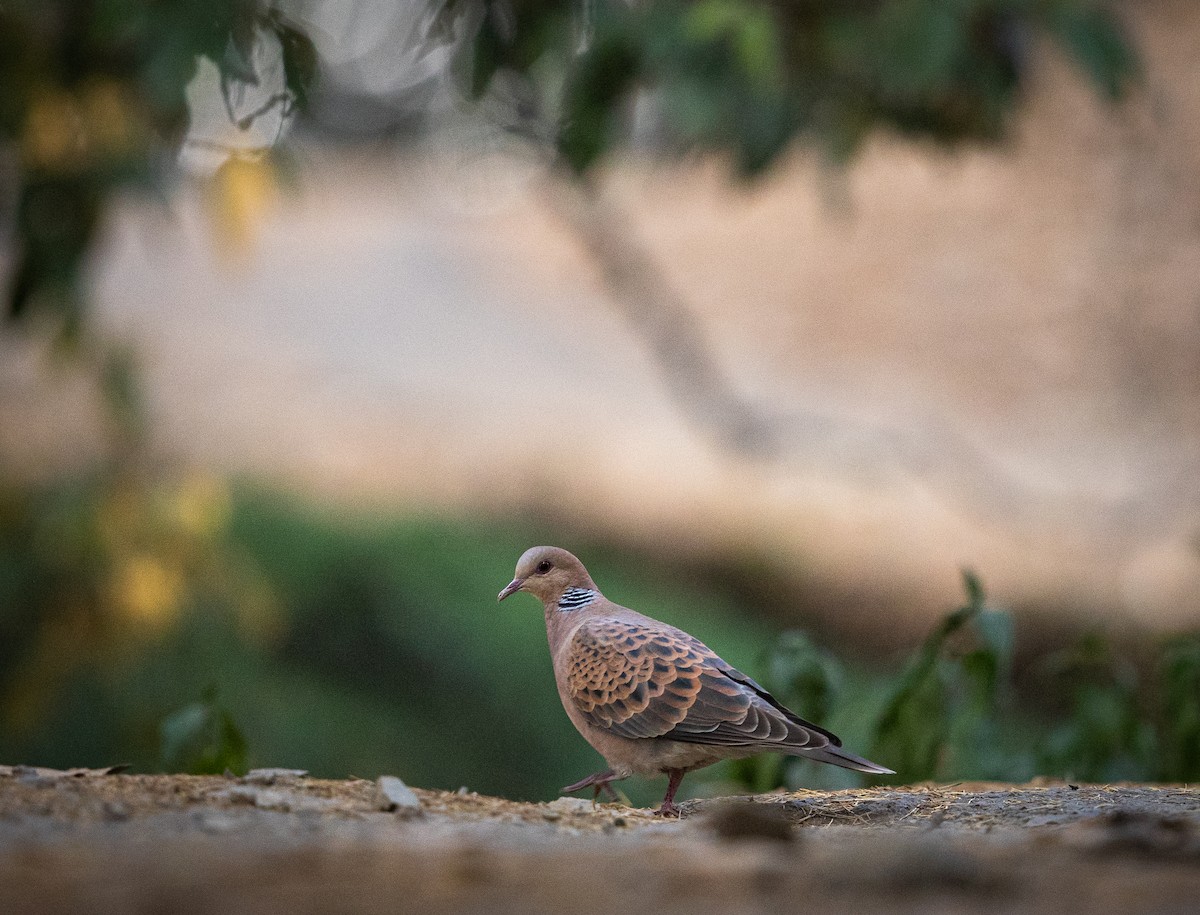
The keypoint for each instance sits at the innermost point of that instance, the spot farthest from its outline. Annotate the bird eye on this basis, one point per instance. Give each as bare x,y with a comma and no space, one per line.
544,566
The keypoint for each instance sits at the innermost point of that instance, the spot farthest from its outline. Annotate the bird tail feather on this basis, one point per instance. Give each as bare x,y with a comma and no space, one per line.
839,757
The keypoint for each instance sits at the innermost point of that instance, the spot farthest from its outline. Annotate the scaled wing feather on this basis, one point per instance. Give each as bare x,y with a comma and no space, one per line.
643,681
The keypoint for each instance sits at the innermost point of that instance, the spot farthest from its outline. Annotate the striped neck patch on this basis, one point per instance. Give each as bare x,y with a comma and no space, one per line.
574,598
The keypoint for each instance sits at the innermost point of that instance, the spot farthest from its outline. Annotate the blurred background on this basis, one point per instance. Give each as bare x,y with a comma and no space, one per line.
859,339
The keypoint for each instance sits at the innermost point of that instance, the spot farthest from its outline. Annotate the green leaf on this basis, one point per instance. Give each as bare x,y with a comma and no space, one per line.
748,28
237,61
489,53
602,76
1179,686
121,388
809,677
1092,35
300,60
202,739
921,716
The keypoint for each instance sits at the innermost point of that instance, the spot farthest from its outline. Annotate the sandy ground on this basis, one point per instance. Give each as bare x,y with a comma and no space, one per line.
189,844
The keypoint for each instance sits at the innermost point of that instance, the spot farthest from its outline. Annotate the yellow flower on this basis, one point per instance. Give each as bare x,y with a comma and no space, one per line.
202,505
53,137
147,591
244,189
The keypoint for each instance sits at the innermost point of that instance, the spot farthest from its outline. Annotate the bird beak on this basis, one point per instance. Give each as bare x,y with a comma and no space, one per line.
511,588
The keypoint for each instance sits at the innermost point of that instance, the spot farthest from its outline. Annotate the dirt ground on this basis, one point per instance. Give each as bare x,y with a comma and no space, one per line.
276,841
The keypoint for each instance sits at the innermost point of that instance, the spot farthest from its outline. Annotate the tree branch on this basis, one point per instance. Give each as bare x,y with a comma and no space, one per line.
929,449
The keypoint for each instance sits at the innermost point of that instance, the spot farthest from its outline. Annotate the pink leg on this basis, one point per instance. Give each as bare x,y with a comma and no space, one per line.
599,781
668,808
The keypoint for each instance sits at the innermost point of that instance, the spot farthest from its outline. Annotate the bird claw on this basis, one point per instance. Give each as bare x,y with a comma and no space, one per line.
599,781
579,785
668,811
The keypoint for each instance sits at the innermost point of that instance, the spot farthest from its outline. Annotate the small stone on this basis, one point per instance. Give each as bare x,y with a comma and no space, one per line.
217,823
83,772
551,815
29,772
273,800
392,794
115,811
571,805
270,776
38,778
238,795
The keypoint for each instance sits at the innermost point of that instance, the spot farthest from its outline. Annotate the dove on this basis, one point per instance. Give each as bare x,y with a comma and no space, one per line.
650,698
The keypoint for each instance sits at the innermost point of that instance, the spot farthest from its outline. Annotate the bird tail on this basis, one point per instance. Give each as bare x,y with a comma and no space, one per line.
839,757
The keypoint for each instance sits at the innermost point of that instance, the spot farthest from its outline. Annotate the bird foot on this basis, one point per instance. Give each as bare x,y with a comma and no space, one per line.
668,808
599,781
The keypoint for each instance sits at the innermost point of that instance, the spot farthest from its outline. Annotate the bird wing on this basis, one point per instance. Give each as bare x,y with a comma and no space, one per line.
640,680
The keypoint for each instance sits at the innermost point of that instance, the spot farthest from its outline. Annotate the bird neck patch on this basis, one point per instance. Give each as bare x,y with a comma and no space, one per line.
574,598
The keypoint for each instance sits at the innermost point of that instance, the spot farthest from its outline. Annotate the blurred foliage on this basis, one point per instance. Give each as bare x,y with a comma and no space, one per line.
341,647
94,96
747,77
943,708
369,646
93,100
95,573
202,739
1106,735
814,680
1179,686
952,713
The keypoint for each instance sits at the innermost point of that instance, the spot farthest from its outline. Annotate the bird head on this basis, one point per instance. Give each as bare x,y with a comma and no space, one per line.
546,572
